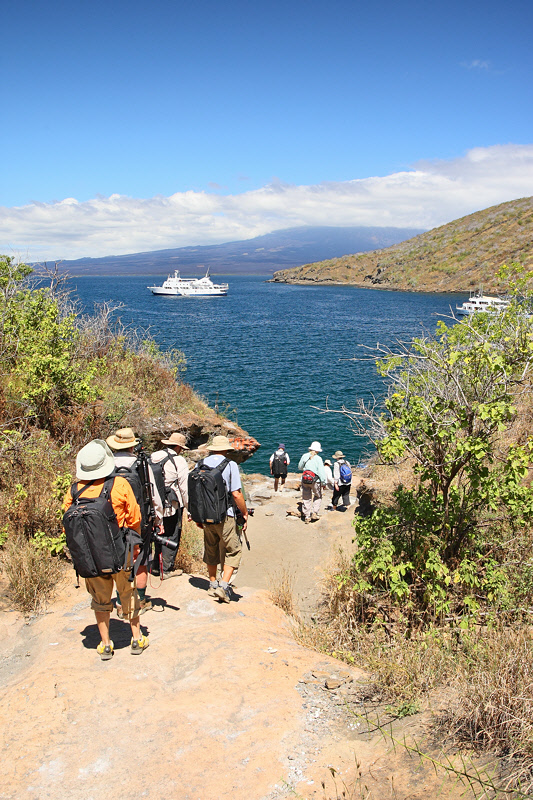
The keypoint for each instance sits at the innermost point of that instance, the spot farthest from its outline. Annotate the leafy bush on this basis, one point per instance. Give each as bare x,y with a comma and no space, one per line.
450,545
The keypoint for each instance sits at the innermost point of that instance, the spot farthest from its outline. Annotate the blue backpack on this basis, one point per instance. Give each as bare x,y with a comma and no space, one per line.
345,473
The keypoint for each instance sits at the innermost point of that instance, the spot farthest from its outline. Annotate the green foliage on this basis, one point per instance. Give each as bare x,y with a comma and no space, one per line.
46,369
442,546
39,346
55,545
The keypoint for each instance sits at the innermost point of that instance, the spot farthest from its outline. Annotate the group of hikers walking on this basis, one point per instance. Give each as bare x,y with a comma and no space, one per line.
123,517
317,475
123,520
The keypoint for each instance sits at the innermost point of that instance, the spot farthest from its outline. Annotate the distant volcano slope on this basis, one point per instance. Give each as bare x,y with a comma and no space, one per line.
456,257
259,256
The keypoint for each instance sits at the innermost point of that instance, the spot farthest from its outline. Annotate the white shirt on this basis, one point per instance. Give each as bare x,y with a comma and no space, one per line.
337,470
280,453
176,474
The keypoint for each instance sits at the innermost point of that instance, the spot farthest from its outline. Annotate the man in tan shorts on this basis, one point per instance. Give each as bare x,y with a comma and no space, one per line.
224,533
94,463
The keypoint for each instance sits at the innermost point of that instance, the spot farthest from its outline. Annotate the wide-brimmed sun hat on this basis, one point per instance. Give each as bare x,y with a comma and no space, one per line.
327,461
175,440
122,439
94,461
338,454
315,446
220,443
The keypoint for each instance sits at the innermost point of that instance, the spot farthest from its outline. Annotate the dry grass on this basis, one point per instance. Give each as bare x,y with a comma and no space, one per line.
189,557
33,475
494,685
281,590
487,673
33,574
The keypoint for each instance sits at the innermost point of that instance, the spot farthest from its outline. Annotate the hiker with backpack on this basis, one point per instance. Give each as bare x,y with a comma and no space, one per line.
279,462
174,473
215,498
99,508
313,478
342,480
127,465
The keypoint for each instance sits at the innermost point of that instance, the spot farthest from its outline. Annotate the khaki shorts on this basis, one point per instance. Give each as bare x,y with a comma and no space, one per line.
226,534
101,590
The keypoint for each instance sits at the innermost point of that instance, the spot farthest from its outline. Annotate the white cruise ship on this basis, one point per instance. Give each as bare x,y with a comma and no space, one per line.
480,302
190,287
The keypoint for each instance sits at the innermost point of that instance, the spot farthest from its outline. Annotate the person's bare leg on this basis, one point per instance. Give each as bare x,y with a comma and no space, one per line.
212,570
276,482
135,628
102,620
228,572
141,579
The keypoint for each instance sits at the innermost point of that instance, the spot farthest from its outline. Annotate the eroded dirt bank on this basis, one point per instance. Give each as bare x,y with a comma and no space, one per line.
224,703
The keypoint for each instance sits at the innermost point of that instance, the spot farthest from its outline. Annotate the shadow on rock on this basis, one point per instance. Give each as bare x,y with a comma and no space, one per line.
160,604
119,632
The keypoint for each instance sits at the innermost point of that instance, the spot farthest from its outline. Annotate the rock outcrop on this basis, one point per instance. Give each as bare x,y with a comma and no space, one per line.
199,431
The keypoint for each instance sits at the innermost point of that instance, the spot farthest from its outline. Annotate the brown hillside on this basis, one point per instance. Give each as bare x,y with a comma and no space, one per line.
456,257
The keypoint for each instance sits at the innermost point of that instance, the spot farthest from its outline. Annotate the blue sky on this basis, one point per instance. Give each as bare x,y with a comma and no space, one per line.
247,101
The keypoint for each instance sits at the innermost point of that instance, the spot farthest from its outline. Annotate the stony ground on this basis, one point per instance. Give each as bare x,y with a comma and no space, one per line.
223,704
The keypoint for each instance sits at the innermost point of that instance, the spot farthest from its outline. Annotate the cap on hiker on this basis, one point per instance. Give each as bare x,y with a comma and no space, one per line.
281,447
327,461
122,439
338,454
94,461
220,443
316,446
175,440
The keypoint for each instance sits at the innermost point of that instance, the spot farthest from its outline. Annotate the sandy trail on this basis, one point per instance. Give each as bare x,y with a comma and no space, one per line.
223,704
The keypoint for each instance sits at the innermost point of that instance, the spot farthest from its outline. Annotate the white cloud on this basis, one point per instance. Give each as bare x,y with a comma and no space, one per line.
476,64
432,193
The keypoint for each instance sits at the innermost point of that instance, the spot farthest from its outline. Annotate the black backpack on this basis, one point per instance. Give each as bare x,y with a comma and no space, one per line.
94,539
208,496
133,476
166,493
279,464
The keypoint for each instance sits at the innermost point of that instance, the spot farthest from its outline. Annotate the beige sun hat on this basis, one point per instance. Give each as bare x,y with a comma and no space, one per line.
220,443
175,440
122,439
94,461
338,454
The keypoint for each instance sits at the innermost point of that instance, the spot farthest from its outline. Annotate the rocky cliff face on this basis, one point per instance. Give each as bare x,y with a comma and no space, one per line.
199,432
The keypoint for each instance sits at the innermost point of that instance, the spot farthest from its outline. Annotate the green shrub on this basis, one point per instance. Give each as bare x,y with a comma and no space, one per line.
450,545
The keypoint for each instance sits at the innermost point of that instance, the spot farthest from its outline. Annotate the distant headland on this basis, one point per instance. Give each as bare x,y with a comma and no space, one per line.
456,257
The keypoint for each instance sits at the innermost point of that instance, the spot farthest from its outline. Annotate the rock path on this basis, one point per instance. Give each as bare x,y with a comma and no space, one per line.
223,704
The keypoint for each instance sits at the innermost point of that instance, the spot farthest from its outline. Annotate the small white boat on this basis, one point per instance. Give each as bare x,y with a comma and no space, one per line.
480,302
190,287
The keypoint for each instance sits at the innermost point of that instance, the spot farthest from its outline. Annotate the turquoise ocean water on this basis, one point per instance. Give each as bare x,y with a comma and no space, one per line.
269,353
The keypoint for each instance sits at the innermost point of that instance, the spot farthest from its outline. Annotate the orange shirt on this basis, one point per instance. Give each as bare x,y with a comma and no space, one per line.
123,501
